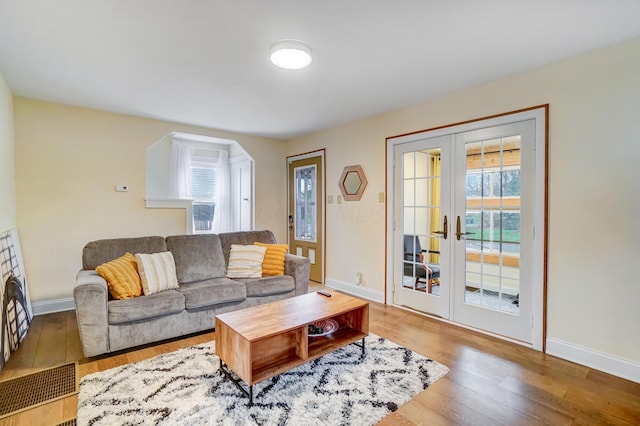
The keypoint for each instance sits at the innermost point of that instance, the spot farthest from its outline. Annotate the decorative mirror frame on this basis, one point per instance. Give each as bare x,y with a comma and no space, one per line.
352,196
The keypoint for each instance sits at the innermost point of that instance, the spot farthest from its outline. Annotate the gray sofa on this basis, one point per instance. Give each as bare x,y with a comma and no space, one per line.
108,325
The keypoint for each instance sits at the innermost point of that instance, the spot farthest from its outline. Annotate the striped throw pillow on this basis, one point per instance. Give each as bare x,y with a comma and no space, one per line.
157,271
122,277
245,261
273,264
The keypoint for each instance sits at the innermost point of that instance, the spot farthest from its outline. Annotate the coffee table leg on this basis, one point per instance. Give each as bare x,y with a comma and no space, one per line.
360,345
237,382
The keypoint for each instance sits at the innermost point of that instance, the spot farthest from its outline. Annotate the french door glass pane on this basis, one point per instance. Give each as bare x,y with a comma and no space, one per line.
492,224
305,203
421,217
423,194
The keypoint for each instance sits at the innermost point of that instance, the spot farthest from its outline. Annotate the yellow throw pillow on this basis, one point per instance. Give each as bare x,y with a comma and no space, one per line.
273,264
122,277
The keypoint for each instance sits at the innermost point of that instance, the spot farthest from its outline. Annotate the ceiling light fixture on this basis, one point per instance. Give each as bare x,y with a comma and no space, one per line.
290,54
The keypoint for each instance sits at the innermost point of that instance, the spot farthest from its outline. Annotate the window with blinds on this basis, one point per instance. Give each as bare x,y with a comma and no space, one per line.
203,191
203,182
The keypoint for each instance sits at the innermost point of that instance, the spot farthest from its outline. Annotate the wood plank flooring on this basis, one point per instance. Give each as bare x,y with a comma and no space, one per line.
491,382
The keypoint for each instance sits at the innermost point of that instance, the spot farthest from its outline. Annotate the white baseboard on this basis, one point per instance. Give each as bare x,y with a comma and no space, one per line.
355,290
51,306
621,367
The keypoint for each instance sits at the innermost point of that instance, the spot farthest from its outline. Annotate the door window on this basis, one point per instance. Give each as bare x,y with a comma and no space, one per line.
305,203
492,224
421,220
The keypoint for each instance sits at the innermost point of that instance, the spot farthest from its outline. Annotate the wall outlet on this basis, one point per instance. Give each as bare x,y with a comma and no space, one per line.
122,188
358,278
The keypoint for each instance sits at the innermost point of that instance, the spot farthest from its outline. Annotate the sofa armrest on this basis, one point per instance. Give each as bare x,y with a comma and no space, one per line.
298,267
91,296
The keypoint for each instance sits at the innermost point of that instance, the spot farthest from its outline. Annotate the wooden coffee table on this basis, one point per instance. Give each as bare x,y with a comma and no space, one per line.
261,342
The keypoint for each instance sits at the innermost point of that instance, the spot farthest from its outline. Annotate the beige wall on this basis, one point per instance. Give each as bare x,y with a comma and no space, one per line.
593,196
7,170
68,161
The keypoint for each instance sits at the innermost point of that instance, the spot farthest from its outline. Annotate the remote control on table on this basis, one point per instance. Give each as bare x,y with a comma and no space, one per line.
324,293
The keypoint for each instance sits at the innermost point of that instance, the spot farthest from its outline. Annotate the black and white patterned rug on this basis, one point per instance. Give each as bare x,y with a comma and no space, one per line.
185,387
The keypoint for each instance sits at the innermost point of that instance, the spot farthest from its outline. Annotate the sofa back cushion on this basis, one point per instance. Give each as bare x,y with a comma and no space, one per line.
197,257
98,252
244,238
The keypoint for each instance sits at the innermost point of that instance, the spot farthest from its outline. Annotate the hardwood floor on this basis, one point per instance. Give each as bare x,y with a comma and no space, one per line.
491,382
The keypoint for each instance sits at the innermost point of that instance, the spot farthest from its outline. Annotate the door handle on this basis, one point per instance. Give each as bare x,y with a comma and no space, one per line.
445,226
459,233
290,221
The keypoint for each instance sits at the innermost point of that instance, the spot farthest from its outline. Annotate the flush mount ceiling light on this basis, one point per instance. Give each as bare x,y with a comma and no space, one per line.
290,54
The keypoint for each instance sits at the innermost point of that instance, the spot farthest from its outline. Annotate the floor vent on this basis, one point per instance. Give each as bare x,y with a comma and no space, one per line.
42,387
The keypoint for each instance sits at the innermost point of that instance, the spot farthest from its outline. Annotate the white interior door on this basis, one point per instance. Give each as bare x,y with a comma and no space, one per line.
242,194
422,244
494,229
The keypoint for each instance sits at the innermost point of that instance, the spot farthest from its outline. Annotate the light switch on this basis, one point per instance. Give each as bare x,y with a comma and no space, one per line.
122,188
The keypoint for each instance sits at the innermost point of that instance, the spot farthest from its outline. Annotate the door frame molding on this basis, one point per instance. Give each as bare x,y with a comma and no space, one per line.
541,114
322,153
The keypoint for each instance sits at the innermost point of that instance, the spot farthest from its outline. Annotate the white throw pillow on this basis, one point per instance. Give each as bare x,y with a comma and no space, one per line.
245,261
157,271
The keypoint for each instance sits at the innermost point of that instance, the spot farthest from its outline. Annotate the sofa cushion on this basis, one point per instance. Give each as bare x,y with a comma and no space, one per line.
122,277
212,292
98,252
273,264
244,238
197,257
145,307
157,271
266,286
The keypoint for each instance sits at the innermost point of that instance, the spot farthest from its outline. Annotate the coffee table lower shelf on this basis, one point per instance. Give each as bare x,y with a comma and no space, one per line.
283,365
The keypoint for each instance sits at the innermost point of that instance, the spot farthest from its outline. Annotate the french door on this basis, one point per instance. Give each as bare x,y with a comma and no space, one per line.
465,210
422,241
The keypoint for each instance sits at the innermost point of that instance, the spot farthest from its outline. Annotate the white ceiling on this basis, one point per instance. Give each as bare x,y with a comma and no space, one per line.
205,62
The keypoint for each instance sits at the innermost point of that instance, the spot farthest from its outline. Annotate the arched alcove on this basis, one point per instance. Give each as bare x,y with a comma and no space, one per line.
166,186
